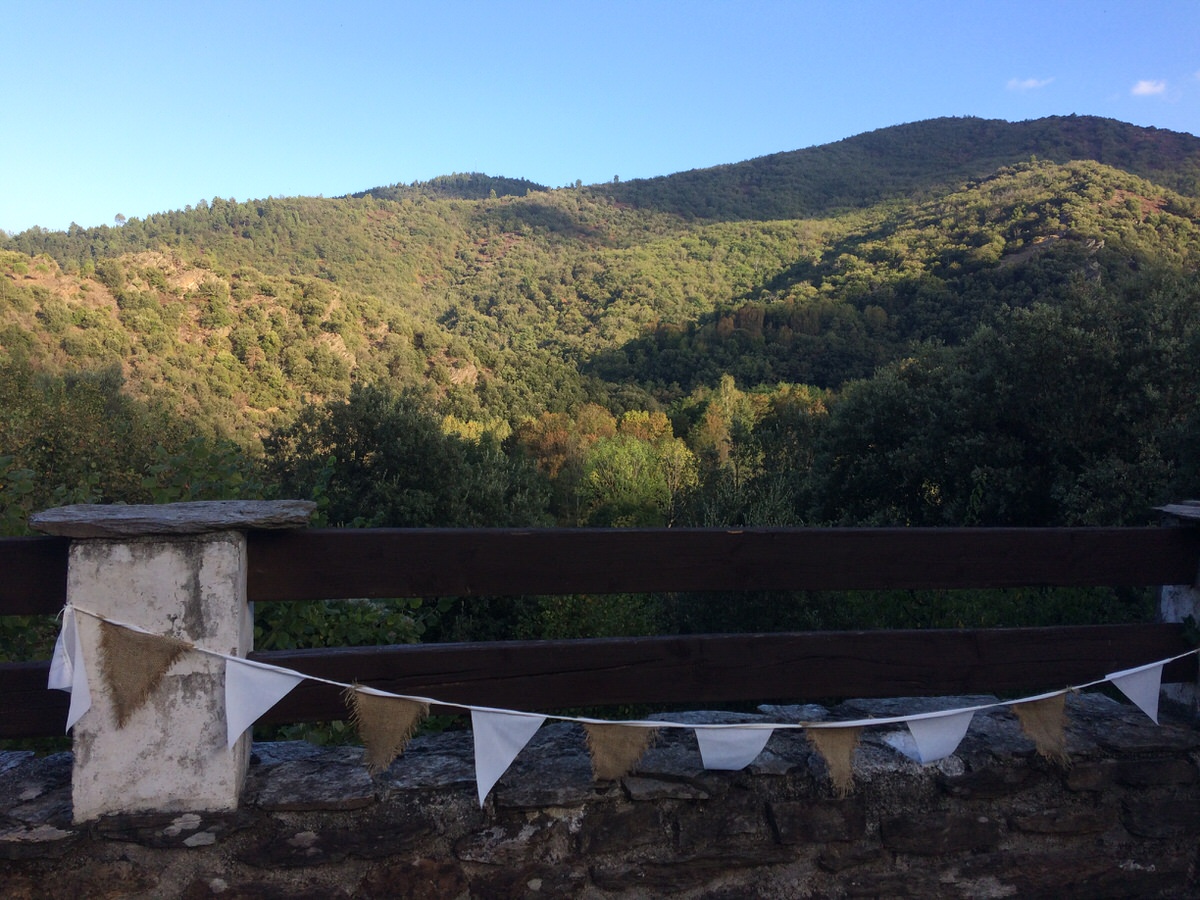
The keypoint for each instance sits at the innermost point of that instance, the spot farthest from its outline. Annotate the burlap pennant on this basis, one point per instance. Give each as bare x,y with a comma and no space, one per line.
1044,723
836,746
385,724
133,663
616,749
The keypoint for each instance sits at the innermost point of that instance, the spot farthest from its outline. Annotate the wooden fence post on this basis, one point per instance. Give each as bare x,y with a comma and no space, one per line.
1179,602
177,570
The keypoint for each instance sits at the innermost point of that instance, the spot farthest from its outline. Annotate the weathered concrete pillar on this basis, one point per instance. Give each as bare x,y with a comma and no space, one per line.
1176,602
177,570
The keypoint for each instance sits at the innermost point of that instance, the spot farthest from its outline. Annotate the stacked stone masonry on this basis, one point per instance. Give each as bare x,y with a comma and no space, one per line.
994,820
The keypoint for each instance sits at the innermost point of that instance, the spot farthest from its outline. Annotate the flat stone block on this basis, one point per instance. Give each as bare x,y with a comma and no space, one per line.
93,520
316,785
989,783
818,821
1151,772
933,834
1066,821
606,830
1161,819
650,789
172,830
539,838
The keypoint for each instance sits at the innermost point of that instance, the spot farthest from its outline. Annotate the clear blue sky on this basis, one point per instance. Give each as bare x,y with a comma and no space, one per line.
139,107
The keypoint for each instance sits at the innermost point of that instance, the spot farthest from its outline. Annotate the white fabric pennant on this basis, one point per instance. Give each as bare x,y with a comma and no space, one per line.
62,664
250,690
1141,686
731,748
81,691
67,670
937,737
499,737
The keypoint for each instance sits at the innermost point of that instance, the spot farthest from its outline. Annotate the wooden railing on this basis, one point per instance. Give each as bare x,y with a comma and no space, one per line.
348,563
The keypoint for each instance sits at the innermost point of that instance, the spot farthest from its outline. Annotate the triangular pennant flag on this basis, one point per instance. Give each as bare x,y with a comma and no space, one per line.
499,737
939,736
1043,722
616,749
1141,686
67,671
133,663
731,748
81,690
62,663
385,724
250,690
837,745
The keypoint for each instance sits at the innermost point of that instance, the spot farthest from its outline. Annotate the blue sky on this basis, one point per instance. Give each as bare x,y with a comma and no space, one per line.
139,107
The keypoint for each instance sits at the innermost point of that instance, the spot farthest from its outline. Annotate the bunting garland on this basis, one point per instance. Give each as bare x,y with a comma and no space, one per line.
133,662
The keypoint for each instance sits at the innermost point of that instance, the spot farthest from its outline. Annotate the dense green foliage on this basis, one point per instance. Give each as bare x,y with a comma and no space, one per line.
951,322
379,460
462,186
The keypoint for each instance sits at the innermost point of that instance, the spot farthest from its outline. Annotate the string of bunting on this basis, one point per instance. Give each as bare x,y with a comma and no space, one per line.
133,661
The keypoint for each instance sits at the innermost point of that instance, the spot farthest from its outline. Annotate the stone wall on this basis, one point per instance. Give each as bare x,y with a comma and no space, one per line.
994,820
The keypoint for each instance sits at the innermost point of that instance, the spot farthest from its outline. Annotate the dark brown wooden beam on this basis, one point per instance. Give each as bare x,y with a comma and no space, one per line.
810,666
327,564
29,709
340,563
33,575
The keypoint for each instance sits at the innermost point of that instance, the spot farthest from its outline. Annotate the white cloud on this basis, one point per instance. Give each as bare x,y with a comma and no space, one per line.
1027,84
1148,88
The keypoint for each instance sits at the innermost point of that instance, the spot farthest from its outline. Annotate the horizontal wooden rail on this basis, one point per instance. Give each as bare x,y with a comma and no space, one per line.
545,675
343,563
33,575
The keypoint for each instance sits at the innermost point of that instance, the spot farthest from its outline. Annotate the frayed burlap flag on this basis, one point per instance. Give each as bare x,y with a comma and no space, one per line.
836,746
133,663
1044,723
616,749
385,724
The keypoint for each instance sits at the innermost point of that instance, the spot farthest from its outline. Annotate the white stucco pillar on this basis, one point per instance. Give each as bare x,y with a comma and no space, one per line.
177,570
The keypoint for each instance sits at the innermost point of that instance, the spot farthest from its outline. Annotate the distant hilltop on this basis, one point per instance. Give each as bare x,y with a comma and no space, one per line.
903,160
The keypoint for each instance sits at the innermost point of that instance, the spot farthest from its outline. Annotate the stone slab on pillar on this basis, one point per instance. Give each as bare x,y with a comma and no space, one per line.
177,570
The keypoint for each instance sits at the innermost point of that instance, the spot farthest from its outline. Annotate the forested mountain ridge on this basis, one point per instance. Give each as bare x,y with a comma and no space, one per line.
657,363
461,186
920,158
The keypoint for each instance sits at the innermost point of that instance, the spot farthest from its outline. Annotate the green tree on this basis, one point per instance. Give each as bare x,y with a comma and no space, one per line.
382,459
